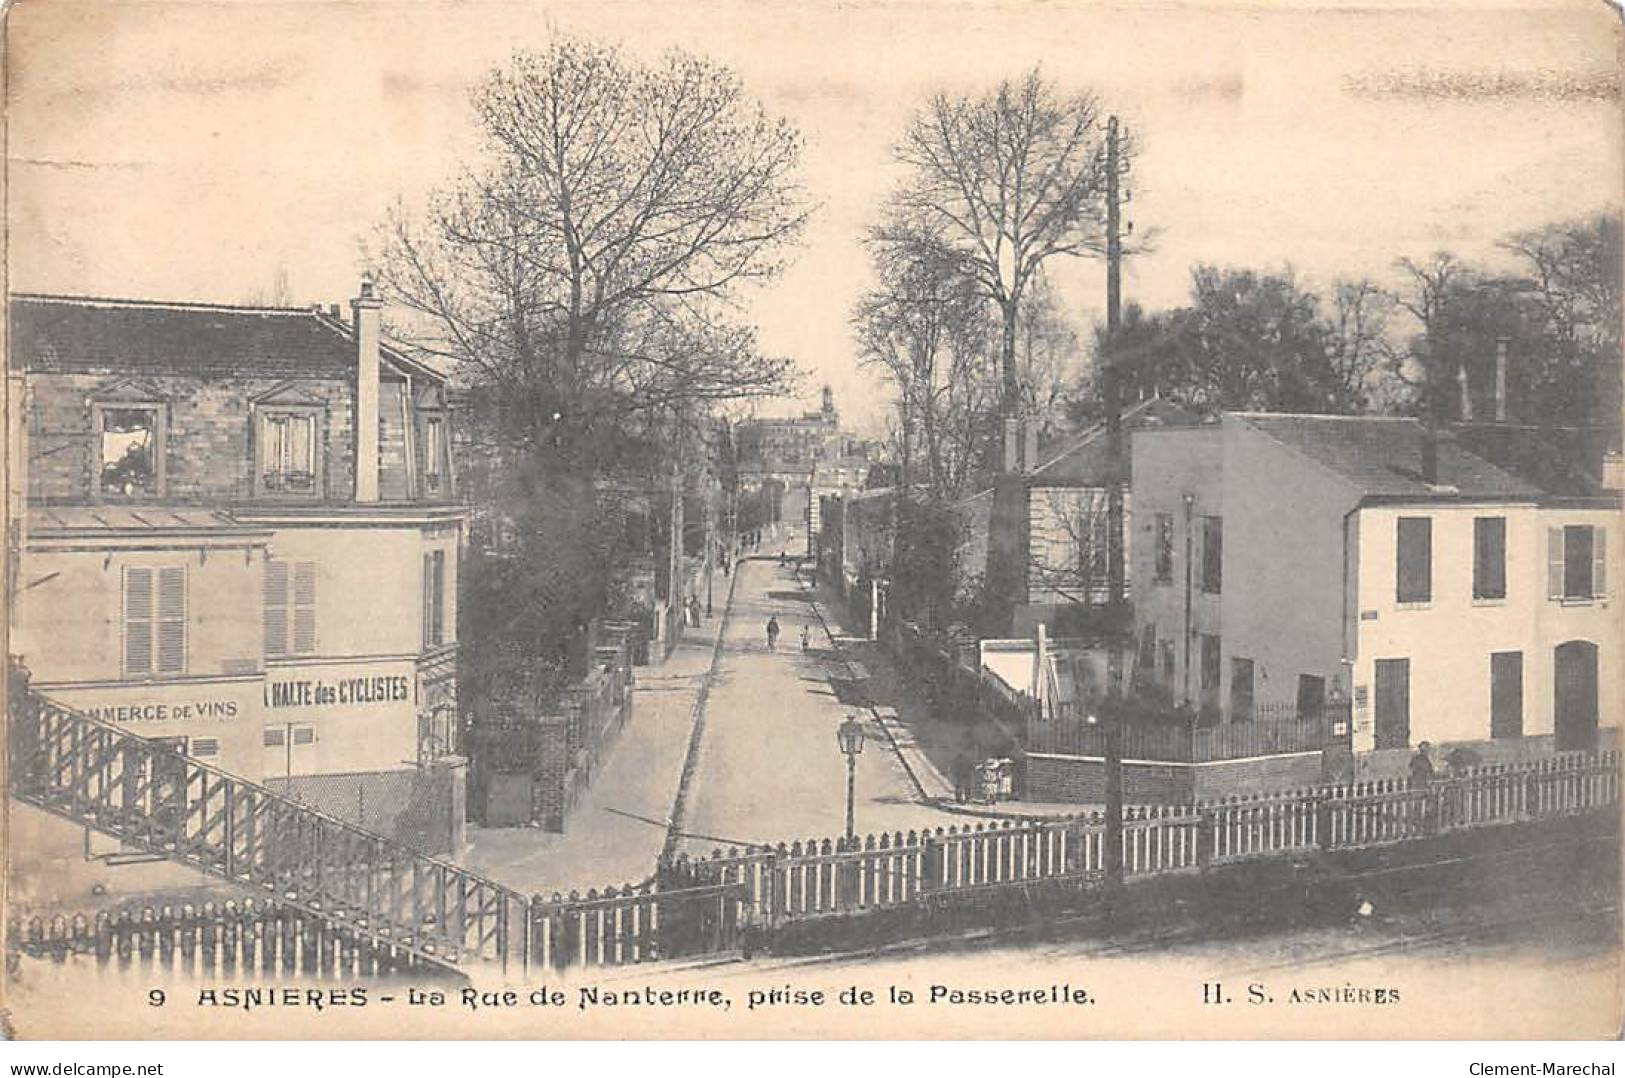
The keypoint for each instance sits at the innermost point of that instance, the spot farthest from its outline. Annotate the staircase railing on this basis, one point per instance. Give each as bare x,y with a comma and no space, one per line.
149,796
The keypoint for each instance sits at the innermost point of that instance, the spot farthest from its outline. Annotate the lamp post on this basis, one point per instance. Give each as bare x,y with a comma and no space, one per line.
850,736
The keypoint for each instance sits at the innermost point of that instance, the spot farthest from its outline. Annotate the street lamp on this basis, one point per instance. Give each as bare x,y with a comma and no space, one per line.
850,736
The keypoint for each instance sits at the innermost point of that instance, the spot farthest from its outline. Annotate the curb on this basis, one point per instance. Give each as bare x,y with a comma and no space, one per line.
921,797
691,761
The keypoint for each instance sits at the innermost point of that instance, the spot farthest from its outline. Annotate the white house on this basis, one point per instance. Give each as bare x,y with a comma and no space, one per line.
1282,560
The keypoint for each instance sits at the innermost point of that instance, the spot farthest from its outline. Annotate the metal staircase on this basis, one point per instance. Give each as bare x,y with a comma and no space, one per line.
151,797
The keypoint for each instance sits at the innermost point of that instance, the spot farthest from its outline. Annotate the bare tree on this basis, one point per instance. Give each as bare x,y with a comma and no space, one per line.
926,328
586,265
1358,343
997,185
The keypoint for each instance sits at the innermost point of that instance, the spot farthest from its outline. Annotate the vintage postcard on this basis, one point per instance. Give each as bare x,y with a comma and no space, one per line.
894,519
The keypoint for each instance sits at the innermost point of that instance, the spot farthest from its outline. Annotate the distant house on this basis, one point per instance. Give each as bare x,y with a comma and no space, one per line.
1046,539
1283,560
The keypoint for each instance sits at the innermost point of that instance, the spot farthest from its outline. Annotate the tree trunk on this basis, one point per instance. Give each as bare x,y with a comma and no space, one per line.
1010,405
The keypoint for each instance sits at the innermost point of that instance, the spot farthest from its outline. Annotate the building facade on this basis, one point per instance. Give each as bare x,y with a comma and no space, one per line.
803,457
240,535
1284,561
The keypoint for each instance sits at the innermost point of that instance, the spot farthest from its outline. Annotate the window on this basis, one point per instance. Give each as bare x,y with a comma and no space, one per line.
1489,557
1506,694
1165,548
154,621
1414,574
1167,648
434,598
288,455
129,446
1146,659
1212,554
434,453
277,737
1577,562
290,608
1311,696
1209,703
205,746
1241,690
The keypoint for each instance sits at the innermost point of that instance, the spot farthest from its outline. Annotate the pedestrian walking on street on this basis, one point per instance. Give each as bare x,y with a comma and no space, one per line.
806,637
772,633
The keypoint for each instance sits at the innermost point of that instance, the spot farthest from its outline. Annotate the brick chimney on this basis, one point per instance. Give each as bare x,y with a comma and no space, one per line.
365,308
1501,379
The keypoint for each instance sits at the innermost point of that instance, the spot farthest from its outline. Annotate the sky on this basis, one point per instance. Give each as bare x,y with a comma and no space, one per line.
203,151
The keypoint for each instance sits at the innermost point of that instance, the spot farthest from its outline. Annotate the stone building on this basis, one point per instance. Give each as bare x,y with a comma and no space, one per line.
240,536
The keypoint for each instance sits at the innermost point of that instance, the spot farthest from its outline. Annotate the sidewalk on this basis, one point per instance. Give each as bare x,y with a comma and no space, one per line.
615,833
932,786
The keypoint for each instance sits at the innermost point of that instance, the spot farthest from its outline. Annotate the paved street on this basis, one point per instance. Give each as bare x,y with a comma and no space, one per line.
770,769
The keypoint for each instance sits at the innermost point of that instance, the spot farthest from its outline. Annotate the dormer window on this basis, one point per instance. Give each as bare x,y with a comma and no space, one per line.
128,428
434,454
288,464
129,451
288,444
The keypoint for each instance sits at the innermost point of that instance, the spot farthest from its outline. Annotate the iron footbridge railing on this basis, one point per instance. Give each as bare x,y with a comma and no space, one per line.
149,796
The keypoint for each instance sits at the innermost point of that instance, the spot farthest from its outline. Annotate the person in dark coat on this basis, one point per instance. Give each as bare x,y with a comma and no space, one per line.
964,778
772,633
1422,773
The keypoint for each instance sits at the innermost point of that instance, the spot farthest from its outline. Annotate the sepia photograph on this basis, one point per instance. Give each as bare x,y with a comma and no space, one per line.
900,519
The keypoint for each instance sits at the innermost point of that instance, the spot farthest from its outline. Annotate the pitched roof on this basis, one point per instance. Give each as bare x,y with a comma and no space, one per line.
139,337
1086,460
1383,456
1566,462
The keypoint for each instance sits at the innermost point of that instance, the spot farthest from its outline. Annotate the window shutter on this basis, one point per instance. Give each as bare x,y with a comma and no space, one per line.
138,621
304,608
428,599
172,620
439,597
1599,562
1554,563
276,608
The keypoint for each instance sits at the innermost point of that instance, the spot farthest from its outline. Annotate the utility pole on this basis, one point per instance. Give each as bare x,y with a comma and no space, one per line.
1112,391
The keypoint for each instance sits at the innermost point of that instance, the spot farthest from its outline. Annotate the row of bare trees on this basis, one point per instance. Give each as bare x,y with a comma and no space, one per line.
966,329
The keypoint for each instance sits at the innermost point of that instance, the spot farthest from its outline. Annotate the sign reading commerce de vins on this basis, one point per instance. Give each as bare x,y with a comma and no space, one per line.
350,690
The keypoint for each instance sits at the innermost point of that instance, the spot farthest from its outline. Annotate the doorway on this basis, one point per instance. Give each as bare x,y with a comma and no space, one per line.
1393,678
1574,705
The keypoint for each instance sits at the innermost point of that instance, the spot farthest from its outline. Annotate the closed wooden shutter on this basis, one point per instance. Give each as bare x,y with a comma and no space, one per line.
1554,563
138,621
304,608
172,620
276,608
1599,563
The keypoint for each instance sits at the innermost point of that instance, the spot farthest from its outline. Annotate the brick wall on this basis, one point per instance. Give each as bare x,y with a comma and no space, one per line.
1078,780
209,437
553,765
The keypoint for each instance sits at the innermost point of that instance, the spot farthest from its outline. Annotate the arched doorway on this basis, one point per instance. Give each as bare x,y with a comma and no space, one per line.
1574,668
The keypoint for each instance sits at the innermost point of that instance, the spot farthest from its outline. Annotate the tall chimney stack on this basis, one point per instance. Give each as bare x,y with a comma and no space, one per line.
1501,379
366,308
